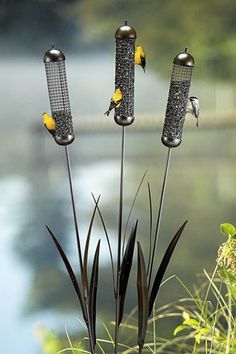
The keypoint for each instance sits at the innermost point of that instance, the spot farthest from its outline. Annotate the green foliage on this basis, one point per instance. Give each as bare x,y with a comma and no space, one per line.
50,342
228,229
227,251
209,313
165,28
208,316
41,22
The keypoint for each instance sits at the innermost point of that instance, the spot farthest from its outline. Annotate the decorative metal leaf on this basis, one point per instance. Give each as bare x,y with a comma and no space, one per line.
86,250
131,209
125,270
93,293
69,270
164,263
142,288
108,242
150,227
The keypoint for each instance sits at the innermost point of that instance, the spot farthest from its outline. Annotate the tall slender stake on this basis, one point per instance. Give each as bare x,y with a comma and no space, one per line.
121,199
88,319
156,235
119,241
73,208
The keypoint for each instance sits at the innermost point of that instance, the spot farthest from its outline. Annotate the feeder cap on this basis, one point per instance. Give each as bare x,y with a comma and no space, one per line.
184,59
53,55
125,31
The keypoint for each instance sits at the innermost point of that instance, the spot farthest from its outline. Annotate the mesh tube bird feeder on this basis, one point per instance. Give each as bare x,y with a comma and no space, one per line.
124,73
54,61
180,82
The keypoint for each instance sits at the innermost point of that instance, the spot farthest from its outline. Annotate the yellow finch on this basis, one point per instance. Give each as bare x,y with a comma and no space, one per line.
49,123
140,57
115,101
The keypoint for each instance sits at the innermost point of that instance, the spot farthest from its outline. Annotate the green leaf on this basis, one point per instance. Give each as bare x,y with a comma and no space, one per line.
228,229
191,322
180,328
185,315
225,275
202,332
142,288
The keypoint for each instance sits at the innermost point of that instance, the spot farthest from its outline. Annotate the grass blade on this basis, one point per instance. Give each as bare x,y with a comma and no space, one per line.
142,288
69,270
86,250
164,263
93,293
125,270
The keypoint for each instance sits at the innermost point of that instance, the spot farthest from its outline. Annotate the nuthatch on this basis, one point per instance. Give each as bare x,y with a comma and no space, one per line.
194,107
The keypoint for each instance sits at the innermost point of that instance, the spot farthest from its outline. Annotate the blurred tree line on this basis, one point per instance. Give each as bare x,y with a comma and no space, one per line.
29,26
164,28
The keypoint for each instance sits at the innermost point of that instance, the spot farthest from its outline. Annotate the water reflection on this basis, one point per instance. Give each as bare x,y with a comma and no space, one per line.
34,192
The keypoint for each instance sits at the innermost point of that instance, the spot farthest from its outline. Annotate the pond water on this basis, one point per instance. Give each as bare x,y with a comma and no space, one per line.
34,190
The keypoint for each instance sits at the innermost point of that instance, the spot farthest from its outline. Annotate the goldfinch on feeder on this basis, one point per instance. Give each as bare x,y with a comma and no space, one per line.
49,123
115,101
140,57
194,107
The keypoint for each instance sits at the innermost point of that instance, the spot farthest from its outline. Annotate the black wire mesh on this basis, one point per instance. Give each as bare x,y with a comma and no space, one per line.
57,86
124,78
59,101
176,105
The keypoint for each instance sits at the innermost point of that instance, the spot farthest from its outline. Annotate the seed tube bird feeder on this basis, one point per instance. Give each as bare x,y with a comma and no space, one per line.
124,73
180,82
54,61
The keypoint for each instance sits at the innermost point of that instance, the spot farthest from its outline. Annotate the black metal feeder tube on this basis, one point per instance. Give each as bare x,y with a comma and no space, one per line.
177,101
55,68
124,73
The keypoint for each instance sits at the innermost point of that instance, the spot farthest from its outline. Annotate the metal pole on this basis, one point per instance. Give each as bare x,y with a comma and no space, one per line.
156,235
120,219
73,208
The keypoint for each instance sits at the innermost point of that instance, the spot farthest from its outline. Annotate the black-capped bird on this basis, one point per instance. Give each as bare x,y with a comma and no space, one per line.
140,57
193,107
115,101
49,123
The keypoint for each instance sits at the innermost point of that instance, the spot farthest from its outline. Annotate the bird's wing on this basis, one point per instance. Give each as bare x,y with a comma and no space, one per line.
196,109
143,61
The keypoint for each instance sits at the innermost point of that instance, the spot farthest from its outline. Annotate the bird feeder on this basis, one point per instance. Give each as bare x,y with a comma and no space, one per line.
180,82
124,73
55,68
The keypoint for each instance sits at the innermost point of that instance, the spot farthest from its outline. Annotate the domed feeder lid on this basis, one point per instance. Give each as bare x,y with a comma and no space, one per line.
53,55
184,59
125,31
